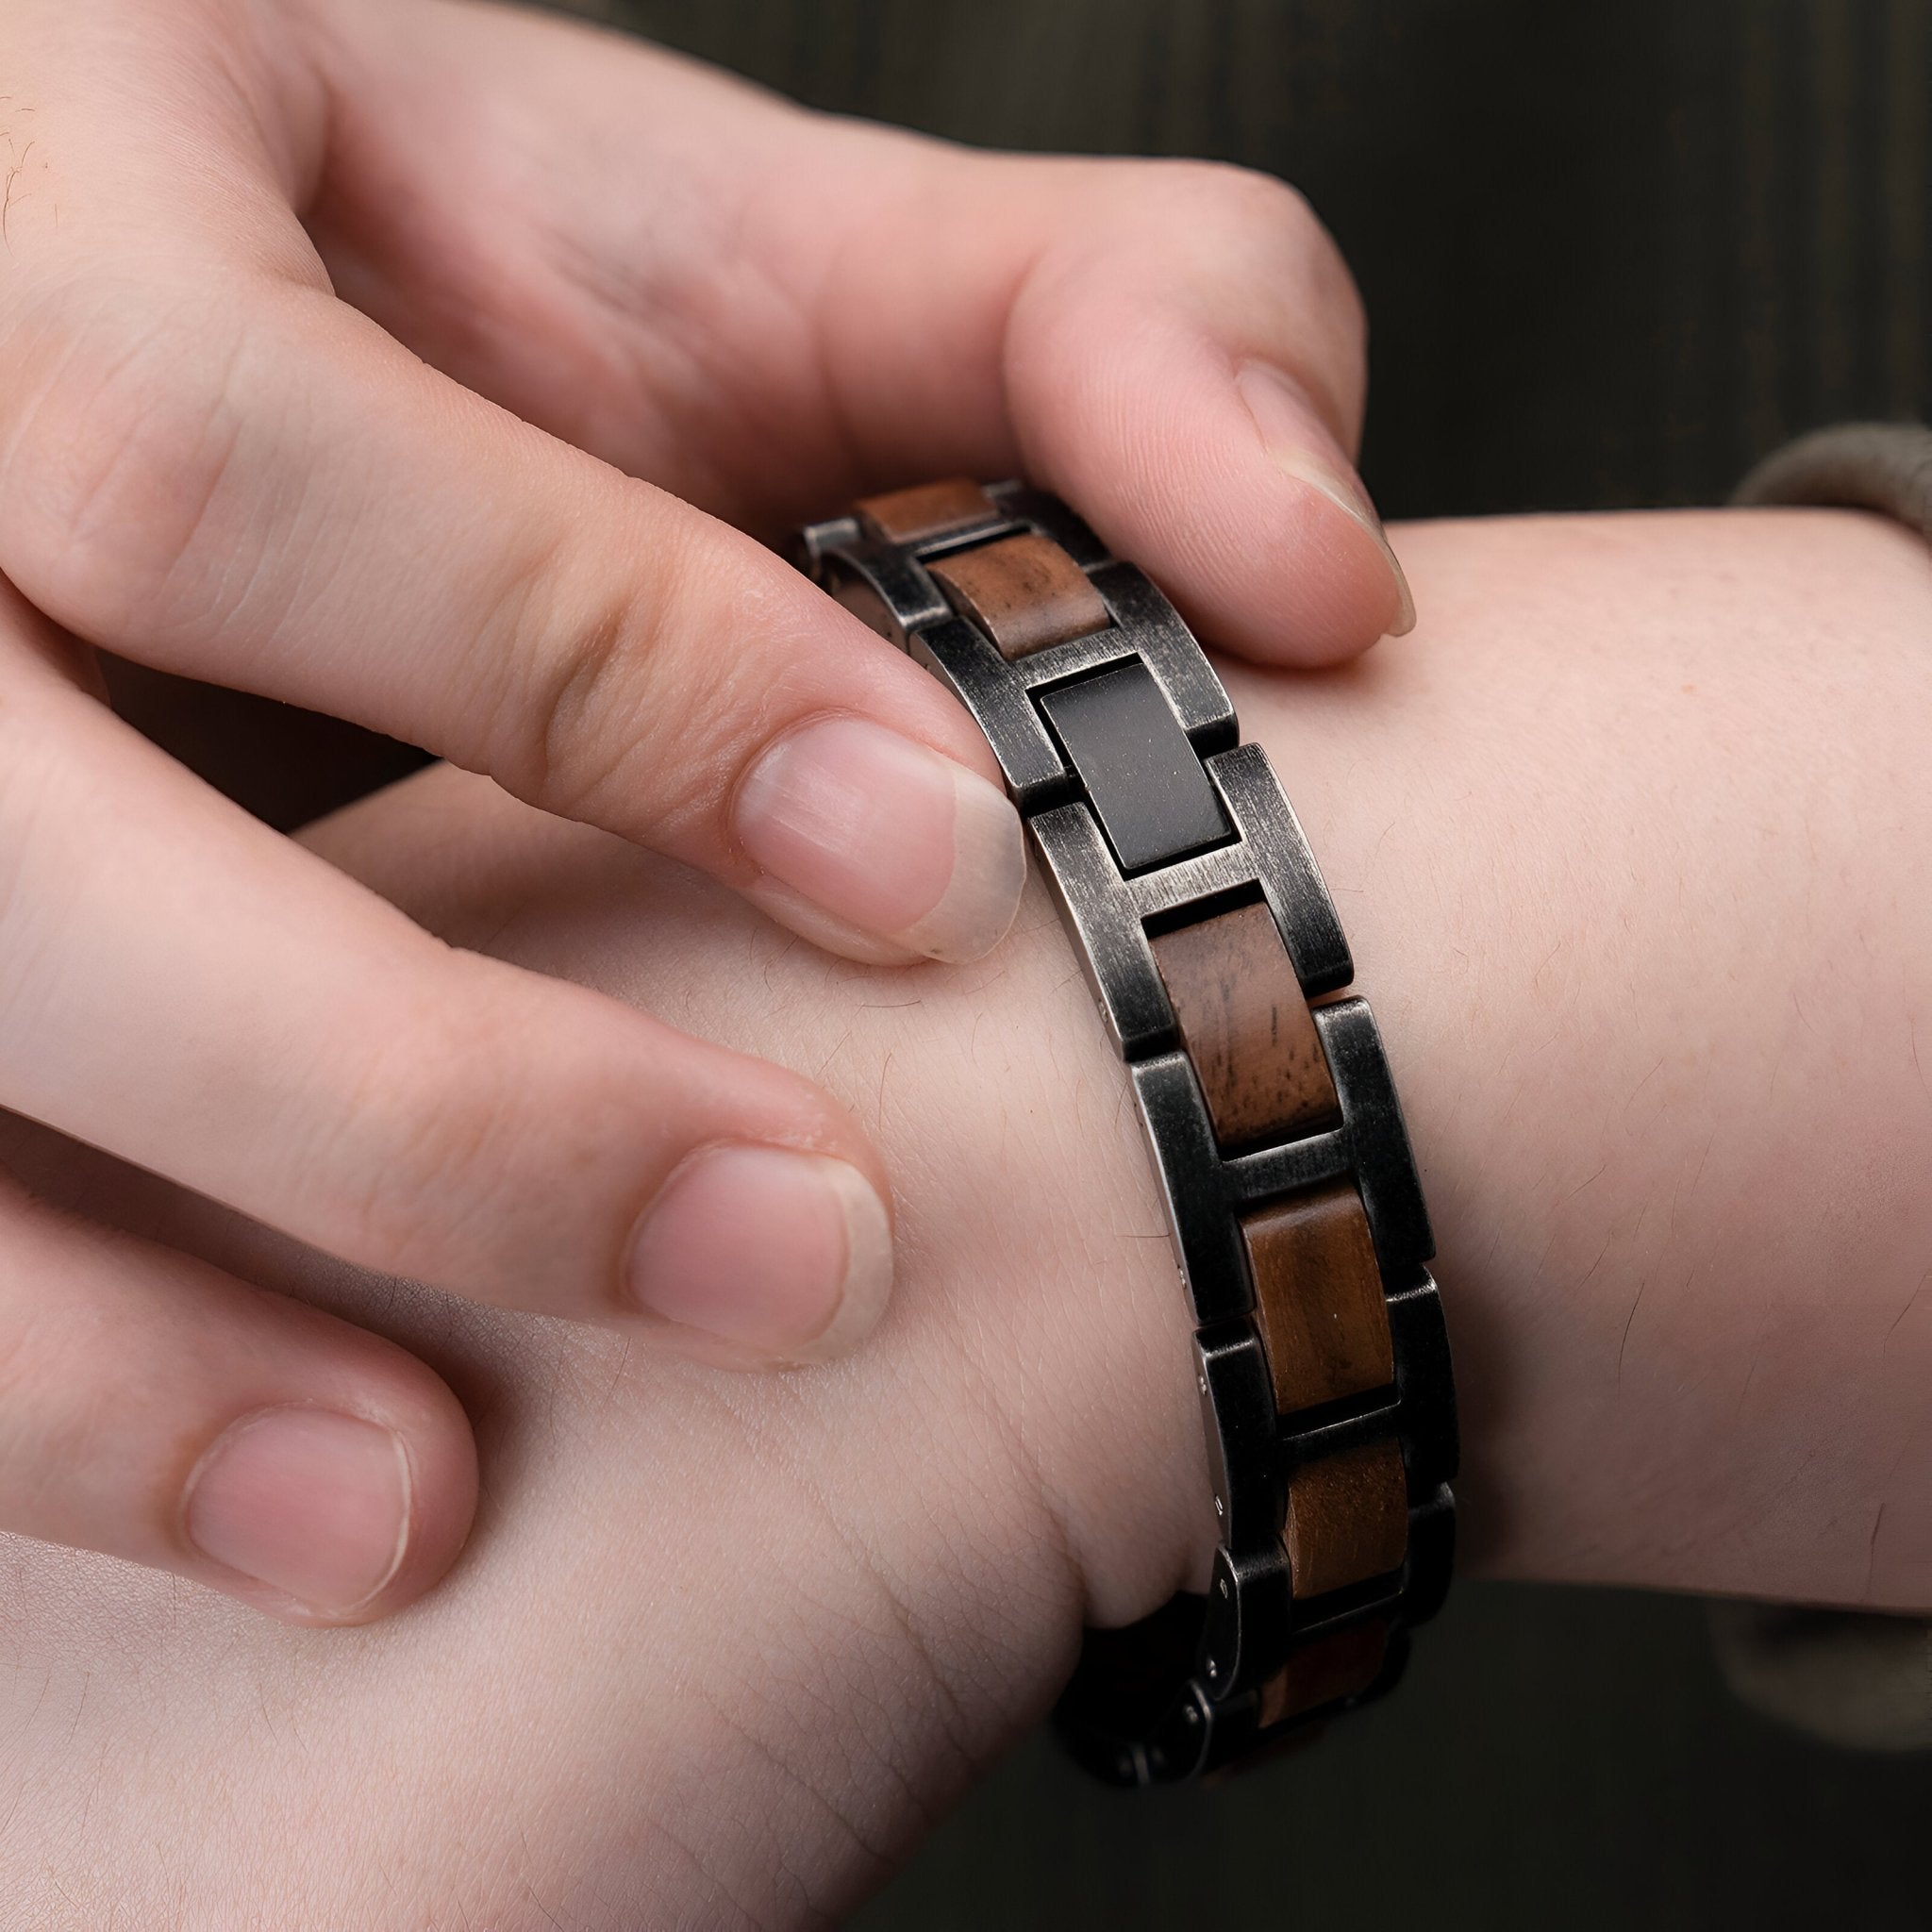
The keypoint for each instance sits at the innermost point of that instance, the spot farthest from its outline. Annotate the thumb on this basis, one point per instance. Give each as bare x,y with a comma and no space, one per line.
1188,369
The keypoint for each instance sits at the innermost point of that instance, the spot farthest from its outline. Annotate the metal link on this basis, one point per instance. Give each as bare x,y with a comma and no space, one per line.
1120,748
1244,1634
1237,1411
969,663
1051,518
1384,1168
1168,649
1424,1386
1147,787
1192,1181
1110,914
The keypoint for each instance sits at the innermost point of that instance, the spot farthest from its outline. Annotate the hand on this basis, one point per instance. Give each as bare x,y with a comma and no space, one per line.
230,231
724,1646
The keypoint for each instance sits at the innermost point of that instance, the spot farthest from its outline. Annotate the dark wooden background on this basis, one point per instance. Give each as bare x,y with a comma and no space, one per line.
1612,250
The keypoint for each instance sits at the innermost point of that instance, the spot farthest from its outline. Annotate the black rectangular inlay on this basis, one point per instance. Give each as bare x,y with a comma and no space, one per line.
1152,798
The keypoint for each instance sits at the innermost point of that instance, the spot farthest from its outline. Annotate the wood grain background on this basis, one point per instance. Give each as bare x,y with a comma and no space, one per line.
1613,250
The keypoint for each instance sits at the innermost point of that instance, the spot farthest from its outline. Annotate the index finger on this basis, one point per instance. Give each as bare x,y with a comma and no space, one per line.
210,463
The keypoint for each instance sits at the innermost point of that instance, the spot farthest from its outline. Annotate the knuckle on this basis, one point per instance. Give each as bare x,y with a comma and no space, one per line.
57,1411
487,1135
1276,272
123,428
604,703
565,681
1246,219
425,1126
26,1374
1230,200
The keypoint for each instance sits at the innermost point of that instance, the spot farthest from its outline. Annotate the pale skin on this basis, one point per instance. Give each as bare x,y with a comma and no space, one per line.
1631,840
438,366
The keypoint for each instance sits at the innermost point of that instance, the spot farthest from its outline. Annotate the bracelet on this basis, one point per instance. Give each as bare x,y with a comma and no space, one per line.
1213,950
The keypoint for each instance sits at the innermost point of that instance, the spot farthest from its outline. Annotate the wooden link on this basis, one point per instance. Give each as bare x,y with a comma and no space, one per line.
1247,1028
1347,1518
927,511
1318,1297
1025,593
1325,1670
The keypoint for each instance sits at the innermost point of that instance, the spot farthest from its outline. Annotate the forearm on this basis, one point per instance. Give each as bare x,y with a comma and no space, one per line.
1630,839
1642,904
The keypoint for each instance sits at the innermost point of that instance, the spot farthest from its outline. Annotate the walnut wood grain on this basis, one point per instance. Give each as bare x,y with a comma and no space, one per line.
1347,1518
1318,1297
1025,593
1324,1671
927,511
1247,1027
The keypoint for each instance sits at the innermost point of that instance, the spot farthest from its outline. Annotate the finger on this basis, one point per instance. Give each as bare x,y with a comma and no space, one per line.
1208,424
767,310
185,989
155,1409
1175,348
210,463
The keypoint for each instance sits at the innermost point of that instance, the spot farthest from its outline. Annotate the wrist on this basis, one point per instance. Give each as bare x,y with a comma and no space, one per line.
1630,839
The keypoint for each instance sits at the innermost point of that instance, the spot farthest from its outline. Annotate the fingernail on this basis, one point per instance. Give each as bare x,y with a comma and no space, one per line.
786,1255
313,1504
887,836
1299,442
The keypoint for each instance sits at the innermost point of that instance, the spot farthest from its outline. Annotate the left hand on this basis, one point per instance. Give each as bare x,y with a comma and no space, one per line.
725,1645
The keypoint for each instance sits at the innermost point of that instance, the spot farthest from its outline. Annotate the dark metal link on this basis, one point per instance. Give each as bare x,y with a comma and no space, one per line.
907,598
909,607
1237,1412
1384,1168
1191,1178
1148,789
1268,1172
1244,1634
1051,518
1425,1384
1431,1556
1120,748
1184,1745
1168,649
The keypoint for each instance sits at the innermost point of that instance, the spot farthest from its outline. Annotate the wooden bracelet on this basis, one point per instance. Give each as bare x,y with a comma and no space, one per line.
1215,957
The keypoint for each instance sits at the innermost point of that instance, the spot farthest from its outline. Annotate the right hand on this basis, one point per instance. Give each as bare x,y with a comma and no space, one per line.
273,277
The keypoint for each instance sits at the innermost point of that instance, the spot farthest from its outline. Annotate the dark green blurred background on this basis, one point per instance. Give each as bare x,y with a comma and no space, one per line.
1612,251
